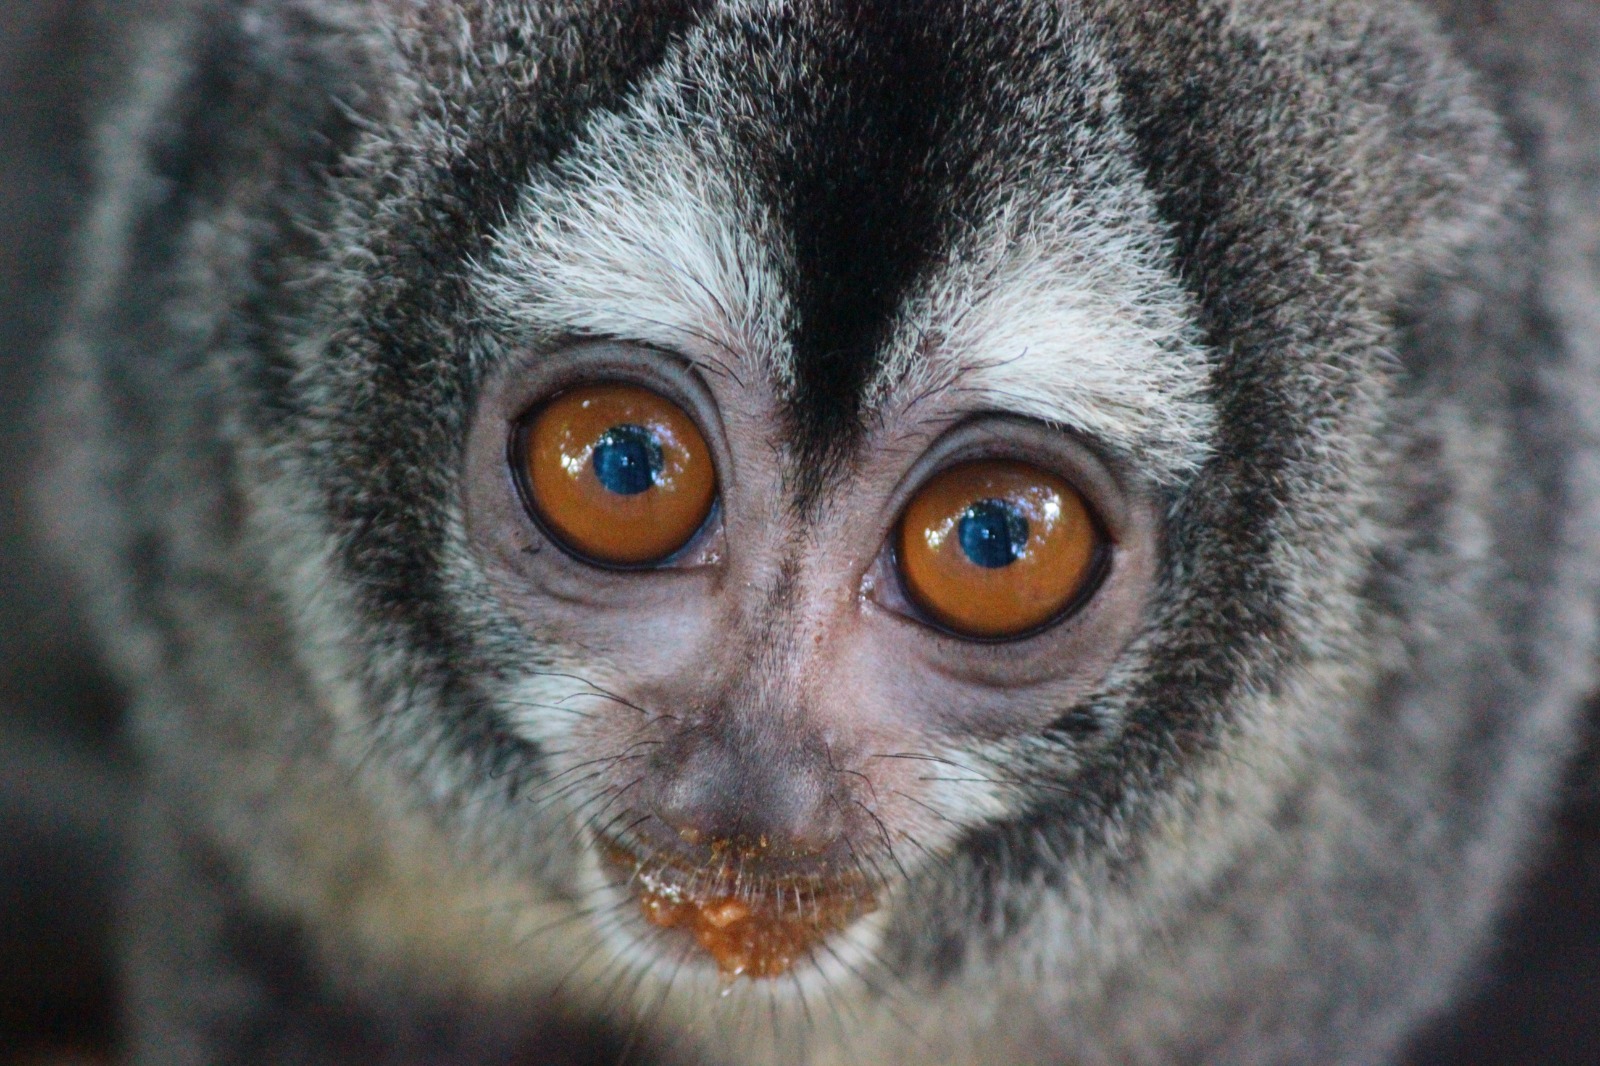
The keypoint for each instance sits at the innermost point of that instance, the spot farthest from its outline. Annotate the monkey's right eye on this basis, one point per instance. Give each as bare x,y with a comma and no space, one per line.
619,475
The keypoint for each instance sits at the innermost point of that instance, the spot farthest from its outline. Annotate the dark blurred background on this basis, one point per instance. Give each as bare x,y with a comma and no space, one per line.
61,762
58,712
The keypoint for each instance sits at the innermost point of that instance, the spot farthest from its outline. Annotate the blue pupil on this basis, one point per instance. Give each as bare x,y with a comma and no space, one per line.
993,533
627,460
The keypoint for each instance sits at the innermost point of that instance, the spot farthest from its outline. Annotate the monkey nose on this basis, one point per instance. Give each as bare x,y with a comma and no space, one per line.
725,797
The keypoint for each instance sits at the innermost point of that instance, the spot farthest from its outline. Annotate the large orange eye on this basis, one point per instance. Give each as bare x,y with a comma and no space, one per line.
619,474
996,548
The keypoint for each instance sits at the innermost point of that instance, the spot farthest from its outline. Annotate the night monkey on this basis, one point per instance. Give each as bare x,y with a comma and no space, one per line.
988,532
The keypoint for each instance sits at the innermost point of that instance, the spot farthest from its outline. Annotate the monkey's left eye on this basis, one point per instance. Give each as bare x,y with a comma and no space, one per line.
995,549
618,474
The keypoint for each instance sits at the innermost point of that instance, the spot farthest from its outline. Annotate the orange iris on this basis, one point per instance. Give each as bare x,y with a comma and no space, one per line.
619,474
995,548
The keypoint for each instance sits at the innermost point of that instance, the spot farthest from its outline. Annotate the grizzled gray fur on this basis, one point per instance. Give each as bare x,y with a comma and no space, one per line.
1306,291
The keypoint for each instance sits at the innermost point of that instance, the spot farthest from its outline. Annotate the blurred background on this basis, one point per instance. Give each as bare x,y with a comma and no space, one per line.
58,712
62,766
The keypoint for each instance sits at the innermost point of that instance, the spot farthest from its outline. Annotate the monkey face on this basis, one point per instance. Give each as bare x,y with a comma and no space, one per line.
766,714
838,492
807,462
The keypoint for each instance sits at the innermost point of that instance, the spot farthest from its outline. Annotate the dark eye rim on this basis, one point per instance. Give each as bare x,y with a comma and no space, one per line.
1100,566
516,463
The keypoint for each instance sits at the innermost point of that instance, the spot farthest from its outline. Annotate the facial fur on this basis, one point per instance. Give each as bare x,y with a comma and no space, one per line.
1250,277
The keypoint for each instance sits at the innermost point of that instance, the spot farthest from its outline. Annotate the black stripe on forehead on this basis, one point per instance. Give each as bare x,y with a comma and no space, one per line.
865,123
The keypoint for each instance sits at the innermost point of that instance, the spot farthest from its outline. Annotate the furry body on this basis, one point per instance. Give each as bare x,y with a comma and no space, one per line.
1320,295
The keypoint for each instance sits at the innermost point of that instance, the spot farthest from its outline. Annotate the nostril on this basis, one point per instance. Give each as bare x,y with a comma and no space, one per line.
810,821
681,802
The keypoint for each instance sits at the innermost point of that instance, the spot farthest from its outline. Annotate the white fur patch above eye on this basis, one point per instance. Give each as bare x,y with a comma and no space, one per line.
1075,323
638,234
644,231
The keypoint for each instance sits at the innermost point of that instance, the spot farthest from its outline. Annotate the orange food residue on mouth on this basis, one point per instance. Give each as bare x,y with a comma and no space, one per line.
750,937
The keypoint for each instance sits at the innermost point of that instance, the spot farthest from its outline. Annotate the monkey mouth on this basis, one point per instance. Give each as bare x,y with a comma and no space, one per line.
751,924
